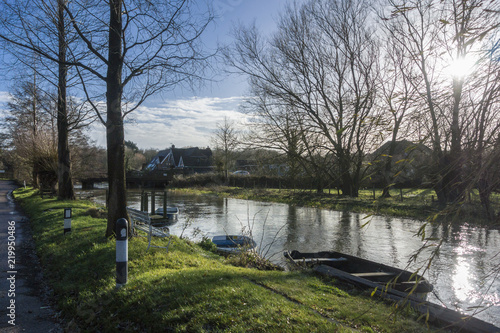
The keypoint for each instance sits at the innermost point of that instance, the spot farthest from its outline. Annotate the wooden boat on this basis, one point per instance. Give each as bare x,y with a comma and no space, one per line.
170,216
364,273
159,219
233,243
171,211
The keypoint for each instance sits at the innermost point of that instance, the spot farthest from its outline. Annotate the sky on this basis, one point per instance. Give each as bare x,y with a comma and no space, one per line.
186,118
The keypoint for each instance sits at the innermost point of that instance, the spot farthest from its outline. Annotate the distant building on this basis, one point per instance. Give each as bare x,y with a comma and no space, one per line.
187,160
410,163
247,165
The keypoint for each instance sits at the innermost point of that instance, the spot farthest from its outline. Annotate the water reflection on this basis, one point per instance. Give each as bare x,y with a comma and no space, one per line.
463,274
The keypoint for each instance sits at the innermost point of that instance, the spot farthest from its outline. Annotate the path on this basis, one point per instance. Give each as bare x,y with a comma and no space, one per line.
21,286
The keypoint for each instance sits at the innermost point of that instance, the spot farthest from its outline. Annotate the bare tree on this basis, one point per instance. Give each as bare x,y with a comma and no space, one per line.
435,34
275,127
32,132
397,98
321,63
137,48
480,130
226,142
42,33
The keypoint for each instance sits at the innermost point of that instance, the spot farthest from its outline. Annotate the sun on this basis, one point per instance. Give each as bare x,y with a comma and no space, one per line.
461,67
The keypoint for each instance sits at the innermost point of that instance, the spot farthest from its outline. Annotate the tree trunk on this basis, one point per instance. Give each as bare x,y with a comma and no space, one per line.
346,185
320,185
117,204
65,182
349,185
484,195
456,186
385,192
387,172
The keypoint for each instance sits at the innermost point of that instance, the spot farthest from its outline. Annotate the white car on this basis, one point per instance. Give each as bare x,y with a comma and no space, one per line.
241,173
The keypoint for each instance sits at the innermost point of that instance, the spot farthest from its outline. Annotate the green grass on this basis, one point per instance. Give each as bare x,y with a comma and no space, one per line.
187,289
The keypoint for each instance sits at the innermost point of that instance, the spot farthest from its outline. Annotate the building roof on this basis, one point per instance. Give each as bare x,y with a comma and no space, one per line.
181,158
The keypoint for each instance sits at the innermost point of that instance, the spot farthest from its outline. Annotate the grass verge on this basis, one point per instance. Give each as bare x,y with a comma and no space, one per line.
187,289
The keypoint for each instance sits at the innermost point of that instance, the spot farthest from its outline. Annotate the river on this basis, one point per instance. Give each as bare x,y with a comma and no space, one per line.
464,274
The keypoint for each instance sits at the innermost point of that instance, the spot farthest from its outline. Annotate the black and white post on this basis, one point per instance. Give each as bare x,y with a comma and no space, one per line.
121,252
67,220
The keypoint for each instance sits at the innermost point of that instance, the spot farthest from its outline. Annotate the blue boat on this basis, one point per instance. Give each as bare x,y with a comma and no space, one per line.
233,243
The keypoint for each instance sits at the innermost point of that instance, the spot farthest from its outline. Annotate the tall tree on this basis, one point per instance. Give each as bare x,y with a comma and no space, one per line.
322,63
397,97
480,131
43,31
149,46
435,35
64,176
32,131
225,140
274,127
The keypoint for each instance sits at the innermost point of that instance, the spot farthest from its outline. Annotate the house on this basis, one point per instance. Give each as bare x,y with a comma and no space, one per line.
186,160
409,163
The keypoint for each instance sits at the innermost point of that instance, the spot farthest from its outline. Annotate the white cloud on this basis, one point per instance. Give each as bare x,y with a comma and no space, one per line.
182,122
4,97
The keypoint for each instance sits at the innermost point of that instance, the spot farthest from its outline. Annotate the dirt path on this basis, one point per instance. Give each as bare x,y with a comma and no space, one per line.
23,297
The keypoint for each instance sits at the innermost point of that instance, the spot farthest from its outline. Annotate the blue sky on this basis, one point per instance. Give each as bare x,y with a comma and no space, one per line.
186,118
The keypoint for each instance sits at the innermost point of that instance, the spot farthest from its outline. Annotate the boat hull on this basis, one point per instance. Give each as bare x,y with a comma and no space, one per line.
364,272
233,243
170,216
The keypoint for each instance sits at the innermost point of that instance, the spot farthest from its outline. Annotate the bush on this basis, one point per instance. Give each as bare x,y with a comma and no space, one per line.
207,244
197,180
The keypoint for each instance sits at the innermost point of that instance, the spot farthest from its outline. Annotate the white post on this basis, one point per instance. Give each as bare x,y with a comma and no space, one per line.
67,220
121,252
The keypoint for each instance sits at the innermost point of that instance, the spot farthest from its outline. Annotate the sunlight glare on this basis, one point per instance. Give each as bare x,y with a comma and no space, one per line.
461,67
460,280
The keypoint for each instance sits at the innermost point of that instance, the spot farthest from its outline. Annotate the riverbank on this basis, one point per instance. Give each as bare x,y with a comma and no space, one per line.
418,204
187,289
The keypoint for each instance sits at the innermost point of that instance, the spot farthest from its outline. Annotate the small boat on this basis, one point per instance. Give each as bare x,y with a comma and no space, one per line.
172,212
233,243
362,272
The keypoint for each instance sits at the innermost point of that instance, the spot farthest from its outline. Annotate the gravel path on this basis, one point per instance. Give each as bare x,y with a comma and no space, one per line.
23,295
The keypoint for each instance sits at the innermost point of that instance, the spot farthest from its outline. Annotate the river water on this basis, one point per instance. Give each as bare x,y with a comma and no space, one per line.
463,275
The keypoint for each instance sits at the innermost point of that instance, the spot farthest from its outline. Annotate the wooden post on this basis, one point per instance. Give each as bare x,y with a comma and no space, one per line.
401,194
164,204
374,193
142,201
153,203
146,204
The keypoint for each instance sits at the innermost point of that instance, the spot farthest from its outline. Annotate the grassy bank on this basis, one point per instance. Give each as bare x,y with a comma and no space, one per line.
409,203
187,289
